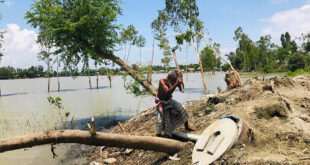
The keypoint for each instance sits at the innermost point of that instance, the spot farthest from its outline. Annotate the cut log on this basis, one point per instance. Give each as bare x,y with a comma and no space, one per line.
100,139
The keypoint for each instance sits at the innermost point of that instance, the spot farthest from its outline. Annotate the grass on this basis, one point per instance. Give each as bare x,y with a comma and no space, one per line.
299,72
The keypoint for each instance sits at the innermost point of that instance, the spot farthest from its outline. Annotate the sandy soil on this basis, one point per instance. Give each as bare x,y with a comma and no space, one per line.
277,109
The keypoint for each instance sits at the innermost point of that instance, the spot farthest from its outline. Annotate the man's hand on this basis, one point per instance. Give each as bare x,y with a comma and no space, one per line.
179,81
180,85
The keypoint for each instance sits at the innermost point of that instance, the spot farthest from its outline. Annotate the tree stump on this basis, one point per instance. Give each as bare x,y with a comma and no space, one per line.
232,79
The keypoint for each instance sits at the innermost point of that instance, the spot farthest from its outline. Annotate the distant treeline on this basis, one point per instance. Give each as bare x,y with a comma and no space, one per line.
39,71
265,56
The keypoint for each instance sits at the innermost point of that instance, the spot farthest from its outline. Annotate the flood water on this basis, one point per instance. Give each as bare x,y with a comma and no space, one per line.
24,108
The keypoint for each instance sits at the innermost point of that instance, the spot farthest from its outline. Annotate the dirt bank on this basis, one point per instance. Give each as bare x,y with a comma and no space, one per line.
278,109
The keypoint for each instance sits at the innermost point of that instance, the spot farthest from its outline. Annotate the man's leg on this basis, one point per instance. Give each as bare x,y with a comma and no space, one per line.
159,124
188,127
183,115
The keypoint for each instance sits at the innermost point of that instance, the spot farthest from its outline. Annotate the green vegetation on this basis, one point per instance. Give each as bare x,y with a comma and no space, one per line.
56,101
75,33
265,56
209,59
63,123
31,72
299,72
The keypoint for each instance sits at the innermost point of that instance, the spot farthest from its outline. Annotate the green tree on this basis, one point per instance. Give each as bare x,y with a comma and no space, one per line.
306,49
263,55
81,28
288,49
296,62
246,51
159,26
306,43
266,58
141,41
182,17
7,72
129,38
209,60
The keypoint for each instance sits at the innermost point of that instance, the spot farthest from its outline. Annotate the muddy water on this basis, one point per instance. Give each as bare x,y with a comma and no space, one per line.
24,108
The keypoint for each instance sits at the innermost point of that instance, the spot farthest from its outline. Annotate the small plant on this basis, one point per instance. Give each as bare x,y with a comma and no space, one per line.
135,88
57,102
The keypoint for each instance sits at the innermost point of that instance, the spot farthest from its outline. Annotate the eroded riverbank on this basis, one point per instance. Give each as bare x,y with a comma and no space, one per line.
277,109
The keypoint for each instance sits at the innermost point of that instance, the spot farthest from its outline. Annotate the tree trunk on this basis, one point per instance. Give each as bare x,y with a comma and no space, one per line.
133,73
97,82
48,78
232,79
176,61
110,80
128,53
48,84
89,82
99,139
58,84
150,68
141,56
109,77
203,76
178,68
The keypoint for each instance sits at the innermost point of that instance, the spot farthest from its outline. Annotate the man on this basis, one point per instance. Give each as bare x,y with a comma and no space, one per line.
171,114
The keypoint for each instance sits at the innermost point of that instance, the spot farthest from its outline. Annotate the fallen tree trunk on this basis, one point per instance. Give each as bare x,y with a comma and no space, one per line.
99,139
133,73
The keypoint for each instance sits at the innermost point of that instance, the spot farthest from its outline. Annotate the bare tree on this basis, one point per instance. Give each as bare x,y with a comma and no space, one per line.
45,56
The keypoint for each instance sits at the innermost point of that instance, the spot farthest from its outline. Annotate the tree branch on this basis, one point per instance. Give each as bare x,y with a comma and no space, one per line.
134,74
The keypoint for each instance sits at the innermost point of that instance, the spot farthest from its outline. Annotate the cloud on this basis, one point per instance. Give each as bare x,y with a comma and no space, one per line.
295,21
19,48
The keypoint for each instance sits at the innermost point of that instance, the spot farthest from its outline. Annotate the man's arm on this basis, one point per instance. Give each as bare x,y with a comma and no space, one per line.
181,86
168,90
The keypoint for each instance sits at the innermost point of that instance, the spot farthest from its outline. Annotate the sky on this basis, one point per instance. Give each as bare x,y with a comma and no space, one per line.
221,18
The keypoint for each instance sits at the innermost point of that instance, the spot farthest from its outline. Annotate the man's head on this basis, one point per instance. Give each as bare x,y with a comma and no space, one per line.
174,75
